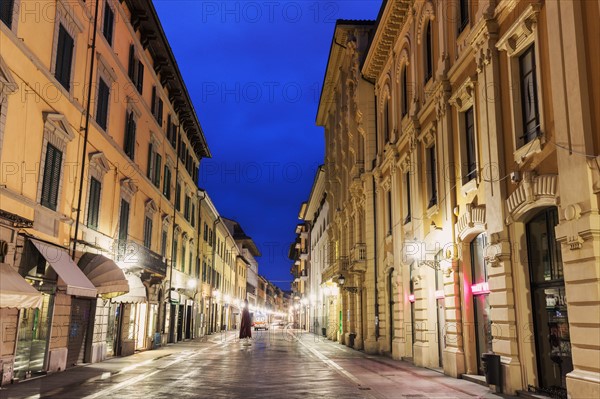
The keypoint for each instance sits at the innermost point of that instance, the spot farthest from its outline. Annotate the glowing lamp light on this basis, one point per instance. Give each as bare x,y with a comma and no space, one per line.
480,288
439,294
411,298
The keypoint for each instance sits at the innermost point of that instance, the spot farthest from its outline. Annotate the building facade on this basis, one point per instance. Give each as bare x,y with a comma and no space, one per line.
480,187
102,146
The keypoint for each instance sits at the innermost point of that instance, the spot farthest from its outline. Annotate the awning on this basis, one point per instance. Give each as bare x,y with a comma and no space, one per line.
137,291
69,275
15,292
104,273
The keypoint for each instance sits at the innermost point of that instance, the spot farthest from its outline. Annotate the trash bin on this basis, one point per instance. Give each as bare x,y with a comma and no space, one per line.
324,331
490,363
351,338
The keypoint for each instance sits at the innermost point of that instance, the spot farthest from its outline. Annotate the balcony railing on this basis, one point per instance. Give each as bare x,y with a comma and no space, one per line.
358,256
136,256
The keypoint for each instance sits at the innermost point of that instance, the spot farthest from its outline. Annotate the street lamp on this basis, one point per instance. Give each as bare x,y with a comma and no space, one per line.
342,281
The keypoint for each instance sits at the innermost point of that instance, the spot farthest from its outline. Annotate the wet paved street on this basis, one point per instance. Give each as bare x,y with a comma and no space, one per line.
277,364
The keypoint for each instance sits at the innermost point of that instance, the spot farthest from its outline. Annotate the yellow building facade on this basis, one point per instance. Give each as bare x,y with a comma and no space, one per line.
101,148
480,187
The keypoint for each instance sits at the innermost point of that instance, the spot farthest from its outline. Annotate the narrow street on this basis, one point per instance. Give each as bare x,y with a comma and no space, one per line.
277,364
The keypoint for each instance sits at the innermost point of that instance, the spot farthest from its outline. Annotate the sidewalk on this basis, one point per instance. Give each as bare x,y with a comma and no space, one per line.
51,384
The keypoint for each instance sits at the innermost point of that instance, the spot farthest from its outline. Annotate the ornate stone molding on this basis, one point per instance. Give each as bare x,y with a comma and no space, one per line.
128,188
519,35
99,163
150,208
464,96
533,192
428,134
594,165
427,14
166,220
471,222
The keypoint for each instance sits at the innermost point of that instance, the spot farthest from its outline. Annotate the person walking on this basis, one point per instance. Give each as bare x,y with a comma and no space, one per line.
246,324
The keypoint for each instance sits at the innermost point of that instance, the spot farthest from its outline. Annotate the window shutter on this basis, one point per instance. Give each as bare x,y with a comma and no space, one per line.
94,203
51,180
160,111
157,169
140,80
6,12
150,162
132,128
64,56
153,102
102,108
124,220
108,23
131,70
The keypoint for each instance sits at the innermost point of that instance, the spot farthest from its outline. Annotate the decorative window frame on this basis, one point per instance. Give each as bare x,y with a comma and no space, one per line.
403,63
428,139
386,95
405,166
106,73
522,34
97,169
7,87
58,133
462,100
67,17
15,17
427,16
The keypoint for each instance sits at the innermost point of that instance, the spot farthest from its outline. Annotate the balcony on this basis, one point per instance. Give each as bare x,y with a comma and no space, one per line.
358,257
343,263
136,256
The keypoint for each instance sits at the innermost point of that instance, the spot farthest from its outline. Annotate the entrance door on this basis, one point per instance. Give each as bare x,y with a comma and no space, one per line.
441,313
481,306
188,323
34,327
550,319
80,320
180,322
391,309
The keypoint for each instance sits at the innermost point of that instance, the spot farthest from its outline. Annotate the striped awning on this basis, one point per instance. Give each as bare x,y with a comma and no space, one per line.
137,291
70,277
15,292
107,277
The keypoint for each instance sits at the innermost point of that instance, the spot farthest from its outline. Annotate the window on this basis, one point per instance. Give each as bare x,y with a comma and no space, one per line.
163,244
404,93
463,17
136,70
93,203
173,138
174,253
407,204
130,127
428,53
109,19
157,106
64,57
432,177
386,120
210,238
183,255
124,220
154,165
147,232
529,102
193,215
471,161
102,106
167,183
178,197
205,232
51,180
186,208
389,212
6,12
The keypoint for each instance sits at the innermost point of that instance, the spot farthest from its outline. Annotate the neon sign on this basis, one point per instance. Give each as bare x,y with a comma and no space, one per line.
439,294
480,288
411,298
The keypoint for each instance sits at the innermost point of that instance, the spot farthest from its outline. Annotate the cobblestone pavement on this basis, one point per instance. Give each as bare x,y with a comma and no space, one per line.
277,364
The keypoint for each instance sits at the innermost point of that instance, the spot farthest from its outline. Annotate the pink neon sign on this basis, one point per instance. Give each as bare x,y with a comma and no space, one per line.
411,298
480,288
439,294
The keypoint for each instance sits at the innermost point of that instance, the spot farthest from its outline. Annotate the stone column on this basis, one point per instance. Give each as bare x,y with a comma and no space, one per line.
370,342
579,186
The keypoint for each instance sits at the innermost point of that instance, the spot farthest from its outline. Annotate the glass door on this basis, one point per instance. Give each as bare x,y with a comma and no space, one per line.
481,306
551,324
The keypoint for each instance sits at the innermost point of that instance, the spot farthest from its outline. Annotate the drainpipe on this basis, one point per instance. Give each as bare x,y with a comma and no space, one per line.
87,130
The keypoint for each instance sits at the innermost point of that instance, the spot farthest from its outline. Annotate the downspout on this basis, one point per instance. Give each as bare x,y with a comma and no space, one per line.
87,129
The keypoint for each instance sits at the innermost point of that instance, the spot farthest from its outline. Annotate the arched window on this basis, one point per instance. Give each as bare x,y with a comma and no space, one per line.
386,121
428,52
404,92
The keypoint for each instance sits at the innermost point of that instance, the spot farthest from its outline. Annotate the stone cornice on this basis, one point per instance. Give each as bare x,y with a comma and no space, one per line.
388,30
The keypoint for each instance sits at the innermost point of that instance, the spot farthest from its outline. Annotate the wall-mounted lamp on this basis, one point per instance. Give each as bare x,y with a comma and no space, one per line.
342,281
434,226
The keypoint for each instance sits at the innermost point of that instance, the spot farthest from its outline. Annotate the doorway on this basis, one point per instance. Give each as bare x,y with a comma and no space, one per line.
390,287
441,309
548,302
481,306
78,329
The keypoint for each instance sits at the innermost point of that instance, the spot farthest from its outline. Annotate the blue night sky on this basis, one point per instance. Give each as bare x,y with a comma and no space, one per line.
254,70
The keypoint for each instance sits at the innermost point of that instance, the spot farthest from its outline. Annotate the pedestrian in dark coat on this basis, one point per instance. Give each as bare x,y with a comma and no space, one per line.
246,323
